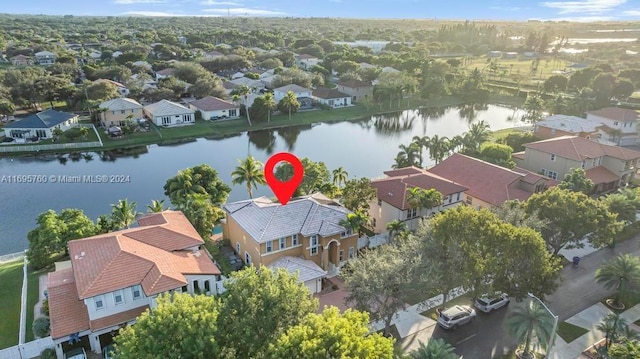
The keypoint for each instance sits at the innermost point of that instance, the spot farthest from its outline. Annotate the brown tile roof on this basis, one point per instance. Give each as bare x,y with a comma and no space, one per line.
579,148
328,93
68,314
393,190
488,182
151,255
116,319
518,155
20,57
355,84
601,175
211,103
616,114
403,171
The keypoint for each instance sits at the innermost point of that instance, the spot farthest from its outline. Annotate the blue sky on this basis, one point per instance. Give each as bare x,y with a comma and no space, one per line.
576,10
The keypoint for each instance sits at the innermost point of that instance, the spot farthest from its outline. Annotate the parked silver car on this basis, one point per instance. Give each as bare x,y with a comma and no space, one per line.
453,317
488,305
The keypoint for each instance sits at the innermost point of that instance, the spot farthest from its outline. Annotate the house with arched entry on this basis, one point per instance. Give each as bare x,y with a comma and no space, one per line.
304,236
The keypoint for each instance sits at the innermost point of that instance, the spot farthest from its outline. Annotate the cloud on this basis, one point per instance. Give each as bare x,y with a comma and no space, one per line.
580,18
129,2
590,7
153,13
244,11
631,13
218,3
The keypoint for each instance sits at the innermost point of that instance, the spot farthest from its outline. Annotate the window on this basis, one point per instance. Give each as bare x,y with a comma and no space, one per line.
136,292
123,111
99,302
207,286
543,172
346,233
314,245
247,258
118,297
294,240
469,200
269,247
553,157
458,197
41,133
184,289
615,123
238,248
352,252
342,255
374,222
552,174
166,120
196,286
283,243
411,213
584,163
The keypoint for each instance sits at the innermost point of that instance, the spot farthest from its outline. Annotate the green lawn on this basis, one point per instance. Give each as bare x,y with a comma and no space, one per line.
569,332
10,289
33,293
462,300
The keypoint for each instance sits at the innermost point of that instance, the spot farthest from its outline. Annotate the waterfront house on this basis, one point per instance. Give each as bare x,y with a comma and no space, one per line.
358,90
565,125
21,60
266,233
119,112
609,167
620,124
213,108
40,125
303,94
167,113
112,278
331,97
45,58
490,185
391,202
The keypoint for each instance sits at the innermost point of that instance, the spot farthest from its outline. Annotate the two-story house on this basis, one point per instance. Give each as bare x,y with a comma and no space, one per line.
490,185
609,167
309,228
45,58
120,111
114,277
565,125
358,90
392,201
621,124
306,61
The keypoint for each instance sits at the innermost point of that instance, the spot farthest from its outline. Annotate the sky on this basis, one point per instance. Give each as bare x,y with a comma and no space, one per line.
576,10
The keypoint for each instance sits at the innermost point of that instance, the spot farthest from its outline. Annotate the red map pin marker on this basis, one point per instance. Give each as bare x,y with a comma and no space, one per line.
283,190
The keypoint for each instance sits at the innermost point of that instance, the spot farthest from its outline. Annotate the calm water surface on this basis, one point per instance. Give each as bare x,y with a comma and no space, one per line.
365,149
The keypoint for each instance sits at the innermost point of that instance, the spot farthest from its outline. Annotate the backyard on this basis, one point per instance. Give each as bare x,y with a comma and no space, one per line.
10,288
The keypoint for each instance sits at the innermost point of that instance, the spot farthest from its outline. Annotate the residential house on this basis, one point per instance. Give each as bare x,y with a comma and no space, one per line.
392,203
45,58
331,97
120,111
609,167
490,185
263,232
229,87
164,73
237,75
303,94
621,124
254,85
167,113
115,277
306,61
117,54
213,108
389,69
122,89
143,64
21,60
358,90
40,125
565,125
366,65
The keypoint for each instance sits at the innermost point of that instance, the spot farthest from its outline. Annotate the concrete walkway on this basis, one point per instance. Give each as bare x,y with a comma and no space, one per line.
42,284
589,319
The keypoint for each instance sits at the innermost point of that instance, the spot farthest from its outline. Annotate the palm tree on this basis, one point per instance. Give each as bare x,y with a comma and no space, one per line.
625,203
339,176
290,102
438,148
478,133
249,172
394,227
556,105
242,92
534,105
156,206
400,161
410,152
435,349
84,132
270,104
422,142
582,100
356,221
611,326
529,320
621,274
123,214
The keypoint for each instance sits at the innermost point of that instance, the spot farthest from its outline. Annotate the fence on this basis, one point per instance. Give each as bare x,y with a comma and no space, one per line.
373,241
54,146
27,350
11,257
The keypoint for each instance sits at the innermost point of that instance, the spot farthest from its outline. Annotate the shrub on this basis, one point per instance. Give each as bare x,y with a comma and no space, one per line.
48,353
41,327
45,307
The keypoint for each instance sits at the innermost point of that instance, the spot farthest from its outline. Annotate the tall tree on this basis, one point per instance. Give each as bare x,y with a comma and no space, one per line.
438,148
315,175
435,349
422,143
270,104
334,335
201,179
577,181
612,325
356,221
181,323
357,193
621,274
395,227
528,321
339,176
478,134
289,103
156,206
201,213
123,213
534,107
249,172
625,203
259,307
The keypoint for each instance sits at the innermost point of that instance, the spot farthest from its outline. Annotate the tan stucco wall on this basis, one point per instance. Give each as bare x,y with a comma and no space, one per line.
110,119
359,93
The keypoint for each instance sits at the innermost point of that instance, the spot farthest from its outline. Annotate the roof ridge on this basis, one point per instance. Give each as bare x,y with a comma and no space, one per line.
273,214
117,237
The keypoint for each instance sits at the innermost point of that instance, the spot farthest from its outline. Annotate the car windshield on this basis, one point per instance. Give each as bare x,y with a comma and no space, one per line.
445,317
483,301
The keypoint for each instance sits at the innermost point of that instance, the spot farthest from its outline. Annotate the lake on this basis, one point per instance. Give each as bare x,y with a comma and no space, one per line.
364,148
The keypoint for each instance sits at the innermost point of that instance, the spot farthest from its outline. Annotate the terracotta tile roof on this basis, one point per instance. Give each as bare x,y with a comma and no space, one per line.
151,255
355,84
327,93
488,182
601,175
211,103
393,189
116,319
68,314
579,148
616,114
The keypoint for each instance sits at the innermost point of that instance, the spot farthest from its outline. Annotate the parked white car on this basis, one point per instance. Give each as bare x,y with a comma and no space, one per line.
488,305
77,353
453,317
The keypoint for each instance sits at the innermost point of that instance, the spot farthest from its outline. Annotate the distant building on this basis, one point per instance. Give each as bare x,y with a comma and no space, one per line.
45,58
21,60
213,108
621,124
358,90
168,114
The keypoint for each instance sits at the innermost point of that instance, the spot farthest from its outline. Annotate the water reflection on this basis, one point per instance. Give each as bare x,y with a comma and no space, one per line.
469,111
394,123
263,140
432,113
